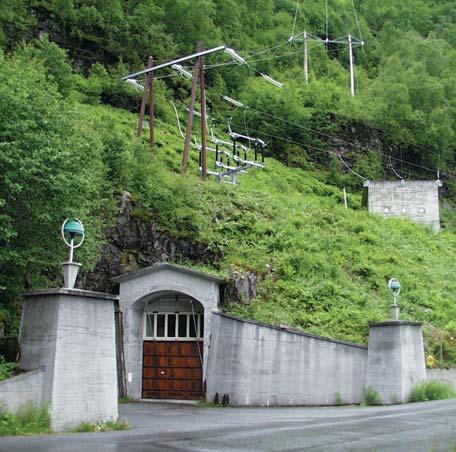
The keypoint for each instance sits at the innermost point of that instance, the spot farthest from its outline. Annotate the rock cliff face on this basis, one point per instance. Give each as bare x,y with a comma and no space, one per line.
134,243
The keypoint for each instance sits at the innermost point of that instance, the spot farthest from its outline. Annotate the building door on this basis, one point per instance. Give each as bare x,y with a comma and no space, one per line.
173,370
173,352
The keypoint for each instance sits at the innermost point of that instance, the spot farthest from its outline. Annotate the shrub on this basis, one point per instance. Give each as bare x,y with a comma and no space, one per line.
28,420
371,396
339,400
6,369
432,390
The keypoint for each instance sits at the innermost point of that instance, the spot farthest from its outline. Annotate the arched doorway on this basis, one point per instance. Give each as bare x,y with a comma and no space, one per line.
173,339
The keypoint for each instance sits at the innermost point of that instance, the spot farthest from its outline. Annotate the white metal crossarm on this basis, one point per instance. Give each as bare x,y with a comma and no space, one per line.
179,60
249,162
306,36
198,146
227,167
218,141
236,136
236,170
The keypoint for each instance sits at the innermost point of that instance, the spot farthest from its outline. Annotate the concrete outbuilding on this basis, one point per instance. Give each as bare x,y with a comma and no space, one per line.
415,200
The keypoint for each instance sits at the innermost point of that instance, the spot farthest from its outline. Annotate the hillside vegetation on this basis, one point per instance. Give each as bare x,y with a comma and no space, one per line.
68,147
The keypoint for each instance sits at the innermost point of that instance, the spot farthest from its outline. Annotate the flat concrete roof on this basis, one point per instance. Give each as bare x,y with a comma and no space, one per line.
71,292
395,323
166,266
402,182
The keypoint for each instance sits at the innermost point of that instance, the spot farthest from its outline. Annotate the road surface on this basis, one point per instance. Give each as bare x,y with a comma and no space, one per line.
429,426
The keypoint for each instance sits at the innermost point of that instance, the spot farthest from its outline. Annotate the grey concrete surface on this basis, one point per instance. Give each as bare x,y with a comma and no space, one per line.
395,359
416,427
446,375
149,284
23,389
415,200
70,334
257,364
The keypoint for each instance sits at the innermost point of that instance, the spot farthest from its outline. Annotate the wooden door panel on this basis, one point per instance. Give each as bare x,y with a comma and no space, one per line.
172,361
172,370
172,385
154,348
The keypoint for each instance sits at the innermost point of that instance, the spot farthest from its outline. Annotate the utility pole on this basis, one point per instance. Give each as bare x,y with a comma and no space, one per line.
150,81
203,119
142,110
188,131
352,69
306,64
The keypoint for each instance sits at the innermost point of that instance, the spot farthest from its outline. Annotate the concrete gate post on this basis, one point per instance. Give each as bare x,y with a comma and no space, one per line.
70,335
395,360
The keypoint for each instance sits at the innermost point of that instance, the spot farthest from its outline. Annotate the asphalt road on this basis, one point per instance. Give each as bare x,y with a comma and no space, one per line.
164,427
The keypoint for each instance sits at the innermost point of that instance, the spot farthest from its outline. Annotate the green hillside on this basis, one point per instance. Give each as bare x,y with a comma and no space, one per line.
68,147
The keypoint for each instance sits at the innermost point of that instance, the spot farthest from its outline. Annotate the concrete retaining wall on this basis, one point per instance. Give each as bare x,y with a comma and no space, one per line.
24,388
257,364
447,375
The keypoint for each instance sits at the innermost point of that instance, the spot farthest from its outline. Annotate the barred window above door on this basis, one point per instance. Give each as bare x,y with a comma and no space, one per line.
174,326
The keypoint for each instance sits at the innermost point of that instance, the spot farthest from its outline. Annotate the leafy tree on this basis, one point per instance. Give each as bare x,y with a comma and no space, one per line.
49,170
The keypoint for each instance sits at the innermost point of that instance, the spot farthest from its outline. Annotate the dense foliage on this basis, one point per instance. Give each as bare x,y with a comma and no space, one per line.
67,145
405,71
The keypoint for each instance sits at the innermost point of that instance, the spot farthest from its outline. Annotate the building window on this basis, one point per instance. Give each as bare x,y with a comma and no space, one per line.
184,326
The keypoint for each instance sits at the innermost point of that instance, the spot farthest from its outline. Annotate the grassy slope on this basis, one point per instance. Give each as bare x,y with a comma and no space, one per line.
324,269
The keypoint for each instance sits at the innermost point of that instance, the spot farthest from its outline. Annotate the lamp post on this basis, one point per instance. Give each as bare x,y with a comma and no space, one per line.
73,235
395,287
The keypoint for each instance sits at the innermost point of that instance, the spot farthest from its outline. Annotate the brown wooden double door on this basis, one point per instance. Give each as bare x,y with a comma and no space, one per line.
172,370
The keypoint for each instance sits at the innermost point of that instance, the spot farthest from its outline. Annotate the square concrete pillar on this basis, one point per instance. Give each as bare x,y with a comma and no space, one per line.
395,359
70,334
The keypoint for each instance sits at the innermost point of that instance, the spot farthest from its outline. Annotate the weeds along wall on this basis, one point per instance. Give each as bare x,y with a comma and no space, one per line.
258,364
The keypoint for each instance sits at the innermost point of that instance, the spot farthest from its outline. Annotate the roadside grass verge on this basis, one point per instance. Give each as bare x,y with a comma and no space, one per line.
28,420
126,399
432,390
109,426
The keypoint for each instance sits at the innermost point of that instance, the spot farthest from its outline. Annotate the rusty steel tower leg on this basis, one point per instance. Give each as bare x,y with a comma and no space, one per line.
143,102
188,131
